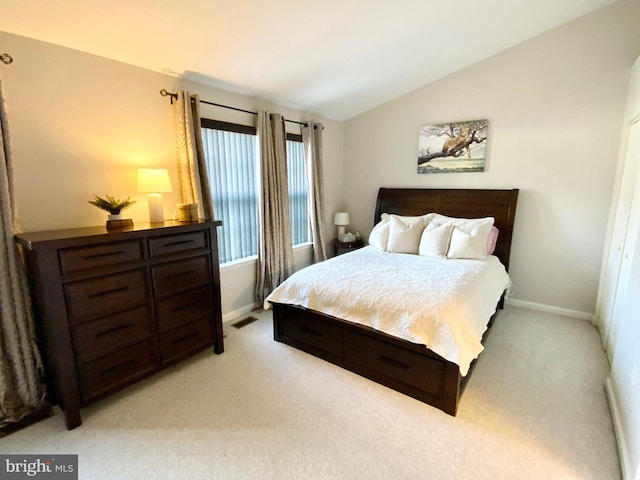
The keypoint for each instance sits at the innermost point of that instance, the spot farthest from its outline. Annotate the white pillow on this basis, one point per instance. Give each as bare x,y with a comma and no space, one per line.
467,245
380,235
434,241
482,226
465,224
403,237
409,220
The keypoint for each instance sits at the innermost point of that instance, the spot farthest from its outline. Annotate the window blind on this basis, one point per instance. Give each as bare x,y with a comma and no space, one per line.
297,193
231,162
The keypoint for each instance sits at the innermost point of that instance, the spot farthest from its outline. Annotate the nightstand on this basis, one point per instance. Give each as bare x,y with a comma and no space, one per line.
343,247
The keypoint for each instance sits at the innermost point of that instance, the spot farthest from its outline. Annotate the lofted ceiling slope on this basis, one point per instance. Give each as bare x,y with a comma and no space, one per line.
338,58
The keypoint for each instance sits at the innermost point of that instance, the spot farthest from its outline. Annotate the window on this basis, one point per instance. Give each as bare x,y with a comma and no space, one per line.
230,153
297,191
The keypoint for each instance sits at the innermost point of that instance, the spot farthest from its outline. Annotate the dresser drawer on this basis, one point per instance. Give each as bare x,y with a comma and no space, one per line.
398,365
75,260
181,275
88,299
184,308
185,339
95,338
116,369
317,336
182,242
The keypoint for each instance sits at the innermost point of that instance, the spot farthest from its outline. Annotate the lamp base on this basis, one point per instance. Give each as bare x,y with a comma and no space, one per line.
156,210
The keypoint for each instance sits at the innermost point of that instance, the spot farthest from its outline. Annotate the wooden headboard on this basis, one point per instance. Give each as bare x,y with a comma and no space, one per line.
464,203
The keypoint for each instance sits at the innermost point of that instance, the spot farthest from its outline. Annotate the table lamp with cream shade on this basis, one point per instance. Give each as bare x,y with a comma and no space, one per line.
154,182
341,220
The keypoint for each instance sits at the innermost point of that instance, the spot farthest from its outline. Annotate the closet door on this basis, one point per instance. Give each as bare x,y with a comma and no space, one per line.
625,369
624,237
621,209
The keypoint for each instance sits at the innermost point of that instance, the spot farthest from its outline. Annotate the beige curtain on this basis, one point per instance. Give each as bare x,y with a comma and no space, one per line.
312,140
21,388
192,169
275,254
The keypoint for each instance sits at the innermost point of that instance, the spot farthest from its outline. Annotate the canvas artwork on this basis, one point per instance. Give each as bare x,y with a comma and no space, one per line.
452,147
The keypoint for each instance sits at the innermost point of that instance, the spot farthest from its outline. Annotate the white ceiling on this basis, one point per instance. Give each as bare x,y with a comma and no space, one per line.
338,58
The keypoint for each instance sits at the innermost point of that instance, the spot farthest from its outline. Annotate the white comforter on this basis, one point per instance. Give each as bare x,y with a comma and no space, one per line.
442,303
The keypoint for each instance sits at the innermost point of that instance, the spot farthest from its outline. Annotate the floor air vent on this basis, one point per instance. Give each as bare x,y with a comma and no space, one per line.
244,322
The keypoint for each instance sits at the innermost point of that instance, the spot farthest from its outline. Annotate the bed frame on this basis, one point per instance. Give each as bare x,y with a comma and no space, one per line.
406,367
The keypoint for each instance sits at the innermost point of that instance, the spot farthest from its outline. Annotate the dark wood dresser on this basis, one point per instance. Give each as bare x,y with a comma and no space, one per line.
113,307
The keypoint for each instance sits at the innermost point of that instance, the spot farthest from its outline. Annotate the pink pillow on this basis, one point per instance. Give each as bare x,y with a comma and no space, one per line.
492,239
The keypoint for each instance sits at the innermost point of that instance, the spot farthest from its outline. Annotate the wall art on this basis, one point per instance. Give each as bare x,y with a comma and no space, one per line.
452,147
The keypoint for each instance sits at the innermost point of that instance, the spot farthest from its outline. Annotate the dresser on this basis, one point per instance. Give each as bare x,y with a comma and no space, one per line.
113,307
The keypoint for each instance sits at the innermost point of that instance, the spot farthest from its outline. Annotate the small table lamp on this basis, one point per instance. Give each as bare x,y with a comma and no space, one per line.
154,181
341,219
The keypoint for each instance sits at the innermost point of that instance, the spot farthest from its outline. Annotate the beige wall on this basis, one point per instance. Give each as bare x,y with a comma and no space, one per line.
82,124
555,106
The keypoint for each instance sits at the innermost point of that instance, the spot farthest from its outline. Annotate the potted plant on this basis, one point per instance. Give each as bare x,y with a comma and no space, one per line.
114,206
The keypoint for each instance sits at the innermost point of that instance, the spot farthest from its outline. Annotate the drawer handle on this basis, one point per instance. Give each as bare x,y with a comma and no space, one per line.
109,292
310,331
179,242
106,254
393,363
184,307
113,330
115,368
181,274
185,338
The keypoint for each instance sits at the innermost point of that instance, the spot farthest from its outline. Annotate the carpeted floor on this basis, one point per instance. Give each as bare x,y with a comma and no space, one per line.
535,408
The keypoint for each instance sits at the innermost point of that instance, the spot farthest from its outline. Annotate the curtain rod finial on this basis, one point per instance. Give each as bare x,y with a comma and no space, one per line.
165,93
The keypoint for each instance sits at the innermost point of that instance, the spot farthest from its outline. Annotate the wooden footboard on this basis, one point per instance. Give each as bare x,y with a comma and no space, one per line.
406,367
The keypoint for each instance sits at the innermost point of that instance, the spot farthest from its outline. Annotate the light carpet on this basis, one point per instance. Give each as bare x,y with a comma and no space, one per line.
535,408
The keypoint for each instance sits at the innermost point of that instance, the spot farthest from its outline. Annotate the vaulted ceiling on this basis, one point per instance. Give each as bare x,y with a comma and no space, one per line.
338,58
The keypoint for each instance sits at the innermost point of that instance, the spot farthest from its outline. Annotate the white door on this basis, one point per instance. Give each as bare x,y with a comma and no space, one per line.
618,265
625,370
613,260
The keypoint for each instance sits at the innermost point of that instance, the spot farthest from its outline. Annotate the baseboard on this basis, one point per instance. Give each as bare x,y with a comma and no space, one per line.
237,314
619,430
590,317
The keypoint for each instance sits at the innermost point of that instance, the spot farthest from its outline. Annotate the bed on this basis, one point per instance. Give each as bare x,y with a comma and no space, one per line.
385,346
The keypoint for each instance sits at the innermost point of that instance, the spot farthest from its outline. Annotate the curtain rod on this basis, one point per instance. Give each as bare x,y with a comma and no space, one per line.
6,58
174,96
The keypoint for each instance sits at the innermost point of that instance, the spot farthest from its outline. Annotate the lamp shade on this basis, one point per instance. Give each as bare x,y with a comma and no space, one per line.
153,180
341,218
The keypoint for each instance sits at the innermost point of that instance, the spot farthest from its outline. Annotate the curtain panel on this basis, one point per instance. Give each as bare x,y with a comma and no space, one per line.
192,168
312,140
21,388
275,253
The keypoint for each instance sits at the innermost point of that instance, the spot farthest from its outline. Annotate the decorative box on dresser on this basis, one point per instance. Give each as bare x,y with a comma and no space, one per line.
113,307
